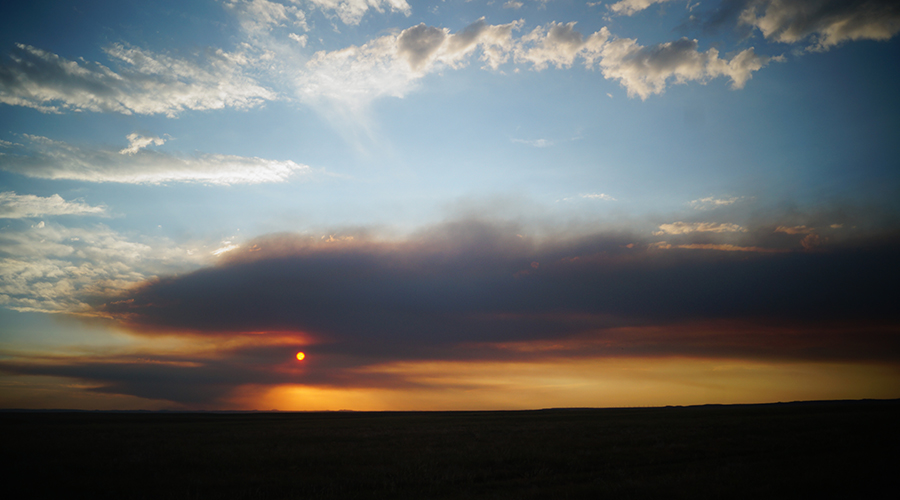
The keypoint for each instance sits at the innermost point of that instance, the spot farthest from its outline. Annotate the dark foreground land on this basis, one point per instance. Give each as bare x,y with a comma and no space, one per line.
798,450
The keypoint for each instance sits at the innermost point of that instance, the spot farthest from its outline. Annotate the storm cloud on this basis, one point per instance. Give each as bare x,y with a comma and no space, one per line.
474,282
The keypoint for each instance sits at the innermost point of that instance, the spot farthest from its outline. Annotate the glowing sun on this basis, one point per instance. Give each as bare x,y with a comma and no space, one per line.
300,356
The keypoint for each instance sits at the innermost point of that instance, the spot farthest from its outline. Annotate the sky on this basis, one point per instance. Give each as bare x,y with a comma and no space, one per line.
448,205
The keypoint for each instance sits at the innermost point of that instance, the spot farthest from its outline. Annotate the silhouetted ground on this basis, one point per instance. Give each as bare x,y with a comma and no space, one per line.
756,451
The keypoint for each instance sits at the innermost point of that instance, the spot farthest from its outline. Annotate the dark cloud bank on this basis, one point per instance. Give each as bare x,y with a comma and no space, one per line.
478,291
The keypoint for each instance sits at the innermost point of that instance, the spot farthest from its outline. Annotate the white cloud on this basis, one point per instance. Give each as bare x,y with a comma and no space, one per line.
537,143
48,159
16,206
390,65
713,202
301,39
136,142
629,7
56,269
698,227
644,71
598,196
146,82
513,4
352,11
256,16
825,23
559,44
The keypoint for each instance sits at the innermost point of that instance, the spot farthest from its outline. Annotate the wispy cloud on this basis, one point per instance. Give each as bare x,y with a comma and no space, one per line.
48,159
598,196
52,268
712,202
144,83
698,227
794,230
136,142
17,206
663,245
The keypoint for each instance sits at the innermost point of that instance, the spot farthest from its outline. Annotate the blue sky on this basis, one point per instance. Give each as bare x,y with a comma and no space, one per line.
145,142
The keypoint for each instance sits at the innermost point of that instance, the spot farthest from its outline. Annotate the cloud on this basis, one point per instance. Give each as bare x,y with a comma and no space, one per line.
825,23
48,159
352,11
17,206
390,65
51,268
794,230
598,196
712,202
145,83
698,227
537,143
644,71
663,245
629,7
469,282
468,291
136,142
513,4
559,44
257,16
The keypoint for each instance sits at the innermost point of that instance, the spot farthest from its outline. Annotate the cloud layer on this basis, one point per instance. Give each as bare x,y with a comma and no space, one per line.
475,282
471,291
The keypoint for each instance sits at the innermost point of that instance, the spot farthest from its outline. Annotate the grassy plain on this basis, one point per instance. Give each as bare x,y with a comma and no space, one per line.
745,451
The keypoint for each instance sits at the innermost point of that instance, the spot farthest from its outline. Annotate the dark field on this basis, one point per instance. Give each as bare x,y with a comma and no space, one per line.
796,450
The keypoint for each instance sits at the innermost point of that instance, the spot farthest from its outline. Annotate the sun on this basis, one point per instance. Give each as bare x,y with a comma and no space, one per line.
300,356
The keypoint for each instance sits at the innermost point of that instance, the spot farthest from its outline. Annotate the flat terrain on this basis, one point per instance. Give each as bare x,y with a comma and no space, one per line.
753,451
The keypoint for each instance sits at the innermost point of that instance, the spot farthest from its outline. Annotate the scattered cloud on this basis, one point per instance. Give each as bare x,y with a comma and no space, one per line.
17,206
351,12
824,23
145,83
698,227
48,159
513,4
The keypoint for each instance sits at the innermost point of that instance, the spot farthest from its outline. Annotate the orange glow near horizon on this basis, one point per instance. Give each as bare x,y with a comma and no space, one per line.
623,382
